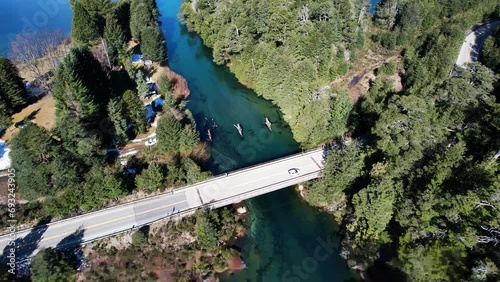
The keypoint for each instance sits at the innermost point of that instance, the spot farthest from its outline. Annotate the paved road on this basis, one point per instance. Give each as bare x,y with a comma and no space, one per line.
216,192
473,43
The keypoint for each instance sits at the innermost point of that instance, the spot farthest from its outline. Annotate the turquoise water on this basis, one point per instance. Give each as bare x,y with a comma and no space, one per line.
30,16
284,233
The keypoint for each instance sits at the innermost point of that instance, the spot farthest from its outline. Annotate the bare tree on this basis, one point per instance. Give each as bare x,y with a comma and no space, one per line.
40,53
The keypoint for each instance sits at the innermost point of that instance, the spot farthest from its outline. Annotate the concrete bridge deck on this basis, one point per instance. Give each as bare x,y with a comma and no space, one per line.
215,192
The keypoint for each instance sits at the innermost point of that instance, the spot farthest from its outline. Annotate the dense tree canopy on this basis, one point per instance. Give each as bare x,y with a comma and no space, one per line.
84,28
12,91
286,51
81,86
49,266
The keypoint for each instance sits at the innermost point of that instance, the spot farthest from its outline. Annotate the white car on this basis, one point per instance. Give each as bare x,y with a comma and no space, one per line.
151,142
293,171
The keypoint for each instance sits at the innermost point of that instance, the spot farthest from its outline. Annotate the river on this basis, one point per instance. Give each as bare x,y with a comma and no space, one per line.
283,230
287,240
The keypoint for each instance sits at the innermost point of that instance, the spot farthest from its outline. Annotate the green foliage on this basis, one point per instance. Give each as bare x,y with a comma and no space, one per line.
32,155
142,87
115,39
205,230
174,136
84,28
143,13
153,45
139,238
432,182
151,178
135,111
101,184
116,114
122,14
81,87
12,90
490,55
165,89
344,167
98,10
389,68
49,266
286,51
374,209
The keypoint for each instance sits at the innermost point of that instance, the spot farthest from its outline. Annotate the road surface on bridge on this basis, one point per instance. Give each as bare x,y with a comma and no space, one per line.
215,192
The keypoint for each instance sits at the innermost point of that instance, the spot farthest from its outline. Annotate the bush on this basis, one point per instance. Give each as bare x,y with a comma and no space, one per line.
389,68
138,238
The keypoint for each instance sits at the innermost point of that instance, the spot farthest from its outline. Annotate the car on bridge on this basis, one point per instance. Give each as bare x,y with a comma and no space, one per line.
293,171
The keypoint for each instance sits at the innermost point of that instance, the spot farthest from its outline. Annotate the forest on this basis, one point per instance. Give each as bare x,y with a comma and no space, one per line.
99,99
287,52
416,192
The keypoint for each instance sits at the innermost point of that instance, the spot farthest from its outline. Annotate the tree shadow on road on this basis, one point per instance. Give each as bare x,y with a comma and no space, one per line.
26,245
69,248
73,240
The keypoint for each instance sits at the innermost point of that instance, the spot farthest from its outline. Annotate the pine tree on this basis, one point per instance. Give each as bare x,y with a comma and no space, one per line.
98,10
169,133
12,88
84,29
33,150
122,14
153,45
143,13
151,179
49,265
165,89
135,110
81,86
5,118
115,39
117,116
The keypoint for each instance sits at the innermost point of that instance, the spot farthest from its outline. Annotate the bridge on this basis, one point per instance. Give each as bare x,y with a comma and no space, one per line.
218,191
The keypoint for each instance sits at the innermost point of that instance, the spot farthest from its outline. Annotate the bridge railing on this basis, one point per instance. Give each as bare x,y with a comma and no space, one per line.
178,190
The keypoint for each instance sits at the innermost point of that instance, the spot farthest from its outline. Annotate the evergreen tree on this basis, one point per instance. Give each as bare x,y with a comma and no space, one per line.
122,14
81,87
101,185
5,118
33,151
153,45
165,89
143,13
135,110
117,116
48,265
84,28
80,141
115,39
12,90
151,178
142,86
99,11
168,132
206,231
